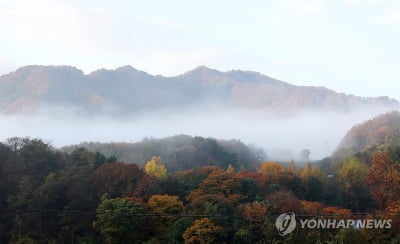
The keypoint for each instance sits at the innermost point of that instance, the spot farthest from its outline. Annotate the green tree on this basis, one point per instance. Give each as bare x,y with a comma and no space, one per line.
117,220
353,178
178,228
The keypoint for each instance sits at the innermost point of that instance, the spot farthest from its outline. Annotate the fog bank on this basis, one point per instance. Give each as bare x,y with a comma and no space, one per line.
281,138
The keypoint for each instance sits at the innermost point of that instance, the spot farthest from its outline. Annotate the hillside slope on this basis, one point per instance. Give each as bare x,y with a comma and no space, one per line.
380,132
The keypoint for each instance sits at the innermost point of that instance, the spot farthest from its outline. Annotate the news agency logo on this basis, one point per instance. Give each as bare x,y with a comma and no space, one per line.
285,223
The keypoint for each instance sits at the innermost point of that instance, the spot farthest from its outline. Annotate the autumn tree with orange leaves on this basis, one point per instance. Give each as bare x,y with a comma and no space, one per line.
384,180
204,231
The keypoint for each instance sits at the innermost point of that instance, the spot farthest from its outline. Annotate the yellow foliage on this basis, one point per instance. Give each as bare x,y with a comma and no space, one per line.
291,168
352,175
156,168
315,171
305,172
203,231
271,168
162,204
230,169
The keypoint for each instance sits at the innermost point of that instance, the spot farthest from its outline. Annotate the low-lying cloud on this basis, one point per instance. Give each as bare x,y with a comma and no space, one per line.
281,138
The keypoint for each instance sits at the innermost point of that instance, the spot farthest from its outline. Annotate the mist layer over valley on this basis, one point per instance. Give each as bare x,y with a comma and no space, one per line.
282,138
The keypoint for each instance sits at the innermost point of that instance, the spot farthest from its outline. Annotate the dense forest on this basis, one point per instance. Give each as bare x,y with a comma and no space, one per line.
222,195
181,152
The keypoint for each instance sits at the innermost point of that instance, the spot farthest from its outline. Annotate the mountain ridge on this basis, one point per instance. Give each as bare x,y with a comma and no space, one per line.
129,90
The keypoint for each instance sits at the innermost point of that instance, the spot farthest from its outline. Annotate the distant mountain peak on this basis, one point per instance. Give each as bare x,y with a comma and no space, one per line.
254,77
130,70
30,68
126,68
203,70
36,71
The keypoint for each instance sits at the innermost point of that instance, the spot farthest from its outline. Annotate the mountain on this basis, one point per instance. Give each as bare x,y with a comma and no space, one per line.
126,90
377,134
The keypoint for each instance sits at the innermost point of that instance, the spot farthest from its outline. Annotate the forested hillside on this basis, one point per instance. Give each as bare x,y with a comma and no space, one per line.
381,133
182,152
50,196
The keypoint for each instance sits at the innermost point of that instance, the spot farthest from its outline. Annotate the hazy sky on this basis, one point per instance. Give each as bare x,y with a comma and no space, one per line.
350,46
